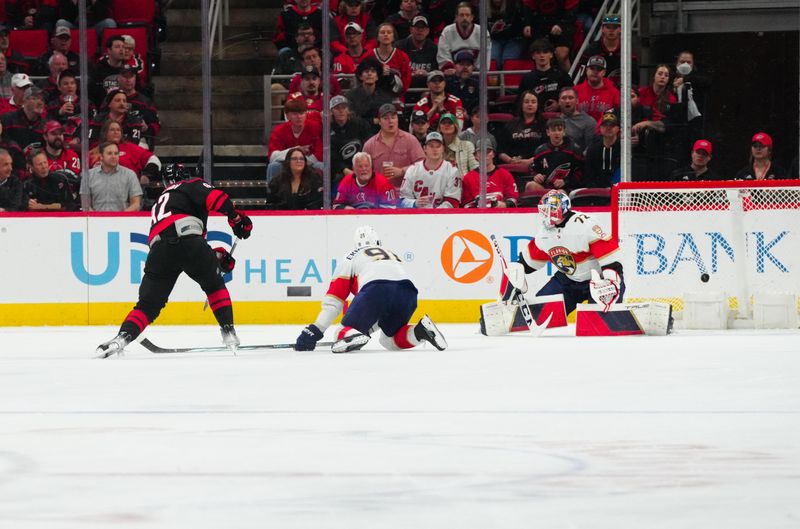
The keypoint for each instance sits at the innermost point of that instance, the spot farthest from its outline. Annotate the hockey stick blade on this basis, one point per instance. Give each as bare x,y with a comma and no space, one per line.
536,330
153,348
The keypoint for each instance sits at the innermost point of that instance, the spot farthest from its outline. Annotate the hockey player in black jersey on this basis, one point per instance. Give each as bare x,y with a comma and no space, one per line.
177,244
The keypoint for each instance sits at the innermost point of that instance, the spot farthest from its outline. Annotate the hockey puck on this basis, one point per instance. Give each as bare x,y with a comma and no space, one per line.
704,277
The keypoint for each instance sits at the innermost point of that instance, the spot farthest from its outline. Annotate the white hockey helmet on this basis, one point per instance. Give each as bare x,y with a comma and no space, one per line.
553,207
366,236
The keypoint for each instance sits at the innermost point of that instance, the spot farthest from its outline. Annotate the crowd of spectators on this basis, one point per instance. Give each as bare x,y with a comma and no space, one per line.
557,132
40,113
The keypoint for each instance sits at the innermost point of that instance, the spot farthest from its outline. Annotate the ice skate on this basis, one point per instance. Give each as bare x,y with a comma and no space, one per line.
427,331
115,345
229,337
353,342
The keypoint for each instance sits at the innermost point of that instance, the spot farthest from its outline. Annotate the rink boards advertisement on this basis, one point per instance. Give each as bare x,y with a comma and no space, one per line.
76,270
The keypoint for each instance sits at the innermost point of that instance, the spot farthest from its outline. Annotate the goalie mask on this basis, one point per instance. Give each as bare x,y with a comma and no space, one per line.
366,236
173,173
553,207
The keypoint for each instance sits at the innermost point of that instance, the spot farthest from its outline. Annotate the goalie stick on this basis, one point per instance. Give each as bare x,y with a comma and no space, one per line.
536,330
153,348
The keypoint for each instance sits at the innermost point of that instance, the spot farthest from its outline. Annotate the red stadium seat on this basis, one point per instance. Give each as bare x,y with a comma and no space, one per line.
591,196
30,43
134,12
512,79
499,117
91,42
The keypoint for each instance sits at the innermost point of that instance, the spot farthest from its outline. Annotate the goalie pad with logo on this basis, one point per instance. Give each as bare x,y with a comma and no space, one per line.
501,317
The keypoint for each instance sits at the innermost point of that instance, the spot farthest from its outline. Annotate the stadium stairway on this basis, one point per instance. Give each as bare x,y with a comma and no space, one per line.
237,91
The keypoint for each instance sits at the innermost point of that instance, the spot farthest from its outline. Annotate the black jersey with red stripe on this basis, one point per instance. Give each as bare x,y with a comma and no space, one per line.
188,198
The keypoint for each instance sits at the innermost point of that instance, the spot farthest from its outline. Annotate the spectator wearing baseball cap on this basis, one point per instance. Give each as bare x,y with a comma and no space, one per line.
26,124
419,125
312,57
366,98
60,42
403,19
603,155
19,83
459,152
501,189
437,101
761,166
353,12
392,149
421,52
349,133
596,94
431,182
609,46
355,51
698,169
297,131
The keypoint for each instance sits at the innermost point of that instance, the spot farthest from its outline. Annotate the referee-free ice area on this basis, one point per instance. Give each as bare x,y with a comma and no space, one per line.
694,430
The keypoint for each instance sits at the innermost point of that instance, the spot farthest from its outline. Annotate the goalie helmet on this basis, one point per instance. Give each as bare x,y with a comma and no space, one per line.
172,173
553,207
366,236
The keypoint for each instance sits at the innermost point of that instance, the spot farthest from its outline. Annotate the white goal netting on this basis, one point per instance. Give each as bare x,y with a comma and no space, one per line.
733,237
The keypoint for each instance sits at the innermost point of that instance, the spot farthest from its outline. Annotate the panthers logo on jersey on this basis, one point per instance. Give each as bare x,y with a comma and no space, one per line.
563,259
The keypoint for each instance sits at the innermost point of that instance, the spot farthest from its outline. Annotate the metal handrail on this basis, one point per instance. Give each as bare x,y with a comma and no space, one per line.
216,22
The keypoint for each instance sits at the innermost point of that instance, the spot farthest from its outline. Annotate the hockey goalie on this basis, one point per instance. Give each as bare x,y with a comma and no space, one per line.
586,259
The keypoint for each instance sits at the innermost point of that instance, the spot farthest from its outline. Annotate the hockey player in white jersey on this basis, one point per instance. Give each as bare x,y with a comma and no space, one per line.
384,299
585,255
431,182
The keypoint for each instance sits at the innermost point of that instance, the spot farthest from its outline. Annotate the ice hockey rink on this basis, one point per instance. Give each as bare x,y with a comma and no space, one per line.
693,430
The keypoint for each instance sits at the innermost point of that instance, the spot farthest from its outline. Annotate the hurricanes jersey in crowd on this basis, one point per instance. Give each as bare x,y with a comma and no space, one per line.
185,199
358,268
442,183
576,249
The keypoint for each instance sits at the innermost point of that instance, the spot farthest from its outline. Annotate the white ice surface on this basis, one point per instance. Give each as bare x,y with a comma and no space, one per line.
695,431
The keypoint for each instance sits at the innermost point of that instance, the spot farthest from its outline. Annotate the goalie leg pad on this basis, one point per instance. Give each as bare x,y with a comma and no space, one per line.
624,319
497,318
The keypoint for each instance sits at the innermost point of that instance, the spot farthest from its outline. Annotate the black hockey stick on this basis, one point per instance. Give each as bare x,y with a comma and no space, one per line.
153,348
536,330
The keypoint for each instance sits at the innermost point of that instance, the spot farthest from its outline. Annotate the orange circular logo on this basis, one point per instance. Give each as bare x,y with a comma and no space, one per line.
467,256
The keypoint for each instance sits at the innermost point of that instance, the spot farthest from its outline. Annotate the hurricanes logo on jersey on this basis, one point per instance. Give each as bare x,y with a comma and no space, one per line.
563,259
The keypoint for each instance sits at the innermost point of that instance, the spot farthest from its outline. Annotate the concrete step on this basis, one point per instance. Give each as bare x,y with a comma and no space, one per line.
259,17
174,66
194,101
192,33
222,118
193,151
220,84
228,136
232,49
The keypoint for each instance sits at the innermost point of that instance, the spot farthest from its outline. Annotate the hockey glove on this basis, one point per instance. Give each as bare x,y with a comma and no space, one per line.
241,225
605,290
308,338
225,259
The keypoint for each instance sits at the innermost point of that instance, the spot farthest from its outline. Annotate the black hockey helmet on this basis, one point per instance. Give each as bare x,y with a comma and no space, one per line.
172,173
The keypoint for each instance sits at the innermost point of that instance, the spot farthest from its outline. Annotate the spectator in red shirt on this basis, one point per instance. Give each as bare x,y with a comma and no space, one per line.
347,61
437,102
145,164
299,130
658,95
597,95
352,11
59,156
365,188
501,190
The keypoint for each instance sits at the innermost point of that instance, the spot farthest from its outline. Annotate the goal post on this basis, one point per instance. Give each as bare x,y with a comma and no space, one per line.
733,237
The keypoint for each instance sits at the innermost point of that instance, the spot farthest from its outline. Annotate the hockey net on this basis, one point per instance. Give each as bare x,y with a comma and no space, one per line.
736,237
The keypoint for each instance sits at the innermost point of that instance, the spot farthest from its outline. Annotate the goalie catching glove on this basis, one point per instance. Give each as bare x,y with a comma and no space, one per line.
225,260
605,290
